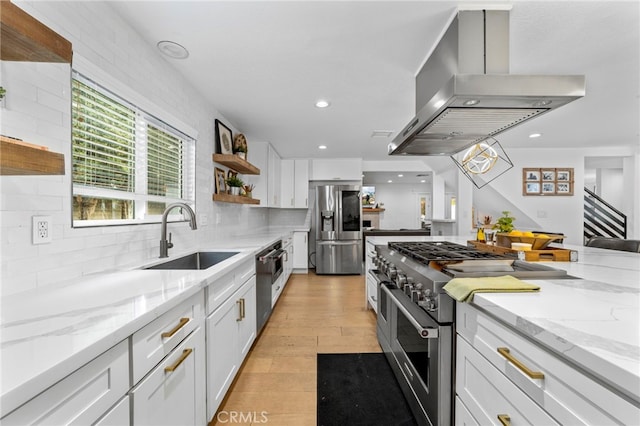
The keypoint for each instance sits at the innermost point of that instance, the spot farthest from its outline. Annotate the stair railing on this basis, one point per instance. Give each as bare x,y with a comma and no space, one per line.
601,218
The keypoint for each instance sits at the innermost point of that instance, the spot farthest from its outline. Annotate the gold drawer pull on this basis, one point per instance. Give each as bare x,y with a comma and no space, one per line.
185,354
533,374
239,303
504,419
182,323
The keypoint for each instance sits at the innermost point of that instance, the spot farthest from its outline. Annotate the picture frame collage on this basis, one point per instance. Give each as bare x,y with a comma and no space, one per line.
547,181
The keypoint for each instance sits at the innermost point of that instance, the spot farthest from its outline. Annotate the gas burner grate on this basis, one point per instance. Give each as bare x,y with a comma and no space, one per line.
440,251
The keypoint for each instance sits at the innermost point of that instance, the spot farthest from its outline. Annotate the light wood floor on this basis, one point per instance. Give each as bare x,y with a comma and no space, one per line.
315,314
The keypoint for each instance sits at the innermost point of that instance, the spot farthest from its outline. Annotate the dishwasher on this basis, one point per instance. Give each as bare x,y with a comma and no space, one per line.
269,266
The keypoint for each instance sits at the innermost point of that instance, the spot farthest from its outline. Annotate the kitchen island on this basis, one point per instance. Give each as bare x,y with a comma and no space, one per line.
591,323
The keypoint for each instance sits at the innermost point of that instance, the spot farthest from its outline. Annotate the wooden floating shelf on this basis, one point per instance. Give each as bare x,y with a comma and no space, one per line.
26,39
20,159
238,199
236,163
375,210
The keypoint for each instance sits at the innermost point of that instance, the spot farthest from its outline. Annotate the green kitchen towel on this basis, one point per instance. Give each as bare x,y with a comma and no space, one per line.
463,289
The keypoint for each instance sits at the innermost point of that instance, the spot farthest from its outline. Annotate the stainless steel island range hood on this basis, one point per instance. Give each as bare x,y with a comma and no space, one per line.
465,94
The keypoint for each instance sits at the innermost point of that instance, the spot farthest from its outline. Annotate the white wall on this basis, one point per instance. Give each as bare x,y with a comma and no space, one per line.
400,204
38,110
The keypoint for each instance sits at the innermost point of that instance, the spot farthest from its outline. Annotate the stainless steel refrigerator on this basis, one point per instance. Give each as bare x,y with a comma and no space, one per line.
338,229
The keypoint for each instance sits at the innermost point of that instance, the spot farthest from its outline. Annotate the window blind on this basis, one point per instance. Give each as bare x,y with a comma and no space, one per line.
127,164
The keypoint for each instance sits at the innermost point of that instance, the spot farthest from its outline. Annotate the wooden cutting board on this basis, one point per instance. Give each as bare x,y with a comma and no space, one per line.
547,254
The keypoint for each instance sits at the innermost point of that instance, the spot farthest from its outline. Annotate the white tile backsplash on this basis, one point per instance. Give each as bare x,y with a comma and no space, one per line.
38,110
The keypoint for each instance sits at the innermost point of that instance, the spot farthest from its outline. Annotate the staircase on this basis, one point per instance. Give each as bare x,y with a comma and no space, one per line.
601,218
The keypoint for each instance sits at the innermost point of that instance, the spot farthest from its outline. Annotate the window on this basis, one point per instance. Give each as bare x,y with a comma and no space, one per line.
127,165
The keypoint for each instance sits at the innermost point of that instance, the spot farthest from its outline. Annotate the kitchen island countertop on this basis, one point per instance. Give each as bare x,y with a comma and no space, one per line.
592,321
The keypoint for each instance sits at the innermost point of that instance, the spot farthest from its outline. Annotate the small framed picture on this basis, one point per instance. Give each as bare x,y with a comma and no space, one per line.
224,138
564,175
532,188
531,175
548,187
548,176
564,188
221,186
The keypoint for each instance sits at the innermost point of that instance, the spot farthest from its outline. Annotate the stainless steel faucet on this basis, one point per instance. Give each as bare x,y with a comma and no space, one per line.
164,244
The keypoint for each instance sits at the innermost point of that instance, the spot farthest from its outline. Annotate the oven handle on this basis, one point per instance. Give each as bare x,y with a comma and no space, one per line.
424,332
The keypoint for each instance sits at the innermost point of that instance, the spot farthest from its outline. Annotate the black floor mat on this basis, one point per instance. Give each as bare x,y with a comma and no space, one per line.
360,390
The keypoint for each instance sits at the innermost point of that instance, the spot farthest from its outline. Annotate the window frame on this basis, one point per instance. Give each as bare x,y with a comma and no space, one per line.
140,194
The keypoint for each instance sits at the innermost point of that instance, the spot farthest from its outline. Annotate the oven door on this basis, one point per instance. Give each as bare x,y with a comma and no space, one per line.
423,350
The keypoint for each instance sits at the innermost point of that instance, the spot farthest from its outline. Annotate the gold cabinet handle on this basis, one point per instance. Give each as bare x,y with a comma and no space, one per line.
242,308
185,354
504,419
182,323
507,354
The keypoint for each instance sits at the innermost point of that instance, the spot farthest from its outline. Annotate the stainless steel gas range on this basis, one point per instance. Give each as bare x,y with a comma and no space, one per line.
415,323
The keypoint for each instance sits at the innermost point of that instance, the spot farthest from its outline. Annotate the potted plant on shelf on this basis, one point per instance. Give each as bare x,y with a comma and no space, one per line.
504,225
234,183
241,151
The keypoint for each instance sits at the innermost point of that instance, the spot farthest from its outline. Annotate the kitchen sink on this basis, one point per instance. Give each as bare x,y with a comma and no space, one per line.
197,260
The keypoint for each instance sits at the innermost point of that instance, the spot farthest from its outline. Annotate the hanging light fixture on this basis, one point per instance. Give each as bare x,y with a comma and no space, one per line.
483,161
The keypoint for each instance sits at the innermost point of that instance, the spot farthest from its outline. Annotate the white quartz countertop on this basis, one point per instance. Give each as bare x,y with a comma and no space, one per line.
46,334
593,321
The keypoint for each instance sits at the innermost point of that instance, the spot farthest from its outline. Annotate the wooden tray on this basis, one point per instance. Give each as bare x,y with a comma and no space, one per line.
537,243
555,254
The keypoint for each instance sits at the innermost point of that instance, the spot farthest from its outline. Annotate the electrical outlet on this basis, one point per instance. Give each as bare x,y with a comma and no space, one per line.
42,229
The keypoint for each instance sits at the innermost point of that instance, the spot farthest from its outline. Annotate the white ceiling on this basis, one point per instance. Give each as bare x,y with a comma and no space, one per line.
264,64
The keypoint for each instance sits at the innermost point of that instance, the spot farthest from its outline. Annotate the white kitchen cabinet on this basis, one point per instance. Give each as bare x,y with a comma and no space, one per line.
81,398
336,169
231,330
294,184
173,392
488,395
120,415
276,289
153,342
267,183
300,252
498,352
301,184
287,246
371,287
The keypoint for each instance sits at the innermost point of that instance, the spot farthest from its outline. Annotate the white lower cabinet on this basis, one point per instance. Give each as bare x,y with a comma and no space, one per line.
371,287
173,392
501,371
81,398
231,330
300,252
490,396
119,415
287,246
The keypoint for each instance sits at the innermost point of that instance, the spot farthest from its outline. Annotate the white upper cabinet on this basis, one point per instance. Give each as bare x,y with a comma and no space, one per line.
267,184
337,169
294,184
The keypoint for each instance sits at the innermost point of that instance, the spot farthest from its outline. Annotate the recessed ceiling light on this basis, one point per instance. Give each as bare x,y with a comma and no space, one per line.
173,49
322,103
322,147
535,135
400,175
422,181
389,181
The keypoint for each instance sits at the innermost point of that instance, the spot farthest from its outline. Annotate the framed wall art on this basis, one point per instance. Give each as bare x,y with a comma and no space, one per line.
221,177
224,138
547,181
